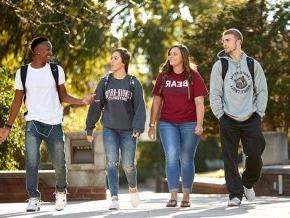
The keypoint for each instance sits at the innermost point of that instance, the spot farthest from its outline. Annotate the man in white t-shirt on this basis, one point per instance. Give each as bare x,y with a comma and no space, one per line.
43,119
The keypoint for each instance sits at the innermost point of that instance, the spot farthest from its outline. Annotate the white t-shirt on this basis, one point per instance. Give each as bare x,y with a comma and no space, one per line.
42,101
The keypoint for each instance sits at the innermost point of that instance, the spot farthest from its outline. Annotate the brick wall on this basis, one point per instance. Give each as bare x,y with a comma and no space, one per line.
274,181
268,185
13,189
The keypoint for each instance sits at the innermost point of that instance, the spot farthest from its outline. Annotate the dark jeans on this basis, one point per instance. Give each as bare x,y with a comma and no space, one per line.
53,135
250,134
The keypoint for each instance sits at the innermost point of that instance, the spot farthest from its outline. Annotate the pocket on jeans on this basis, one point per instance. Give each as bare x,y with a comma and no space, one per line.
42,128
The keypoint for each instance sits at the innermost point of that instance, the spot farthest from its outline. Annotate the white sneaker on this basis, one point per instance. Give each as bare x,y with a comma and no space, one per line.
135,200
33,205
234,202
60,200
249,193
114,204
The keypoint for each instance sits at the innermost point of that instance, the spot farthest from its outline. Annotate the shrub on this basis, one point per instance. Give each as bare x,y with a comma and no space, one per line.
12,150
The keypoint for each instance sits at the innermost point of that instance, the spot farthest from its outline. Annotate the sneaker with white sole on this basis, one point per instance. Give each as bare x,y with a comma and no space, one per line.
114,204
249,193
33,205
135,200
60,200
234,202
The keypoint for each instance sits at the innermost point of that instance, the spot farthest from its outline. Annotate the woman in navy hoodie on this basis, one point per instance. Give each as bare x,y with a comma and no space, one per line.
119,99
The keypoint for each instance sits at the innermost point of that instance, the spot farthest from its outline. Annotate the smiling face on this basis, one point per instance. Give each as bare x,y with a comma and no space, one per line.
230,43
44,51
175,57
117,62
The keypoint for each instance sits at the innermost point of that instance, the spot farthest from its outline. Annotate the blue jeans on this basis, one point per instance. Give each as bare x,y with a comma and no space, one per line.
179,143
115,140
34,134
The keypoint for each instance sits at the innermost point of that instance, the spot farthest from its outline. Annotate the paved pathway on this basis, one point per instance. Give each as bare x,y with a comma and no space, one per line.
153,206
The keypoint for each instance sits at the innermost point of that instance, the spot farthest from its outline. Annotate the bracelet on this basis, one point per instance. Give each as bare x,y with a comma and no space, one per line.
7,126
151,124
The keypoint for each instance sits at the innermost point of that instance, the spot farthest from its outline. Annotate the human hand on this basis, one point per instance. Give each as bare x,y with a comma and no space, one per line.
88,99
4,132
152,133
198,130
90,138
135,134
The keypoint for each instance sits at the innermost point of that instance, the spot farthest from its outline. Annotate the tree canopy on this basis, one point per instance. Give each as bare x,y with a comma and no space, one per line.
84,33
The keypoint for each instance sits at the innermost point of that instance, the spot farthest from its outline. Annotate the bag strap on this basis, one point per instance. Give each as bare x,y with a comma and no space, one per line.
251,67
250,64
108,79
23,75
225,66
55,74
132,84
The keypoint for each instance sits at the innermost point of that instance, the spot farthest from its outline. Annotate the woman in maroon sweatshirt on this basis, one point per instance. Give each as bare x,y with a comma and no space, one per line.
179,94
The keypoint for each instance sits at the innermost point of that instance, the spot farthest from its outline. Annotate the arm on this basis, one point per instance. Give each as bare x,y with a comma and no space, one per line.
14,110
66,98
199,103
95,111
216,90
155,108
139,118
261,90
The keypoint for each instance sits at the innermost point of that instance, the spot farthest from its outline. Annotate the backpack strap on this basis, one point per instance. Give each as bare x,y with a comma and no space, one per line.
132,84
54,70
225,66
108,79
23,75
250,63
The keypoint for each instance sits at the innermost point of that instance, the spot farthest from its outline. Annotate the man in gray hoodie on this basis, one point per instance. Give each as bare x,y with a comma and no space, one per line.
238,98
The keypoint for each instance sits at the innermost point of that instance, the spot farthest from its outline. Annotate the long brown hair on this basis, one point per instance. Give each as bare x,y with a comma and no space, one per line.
125,56
188,65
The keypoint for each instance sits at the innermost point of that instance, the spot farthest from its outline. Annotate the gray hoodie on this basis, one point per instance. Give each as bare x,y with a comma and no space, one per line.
120,108
235,95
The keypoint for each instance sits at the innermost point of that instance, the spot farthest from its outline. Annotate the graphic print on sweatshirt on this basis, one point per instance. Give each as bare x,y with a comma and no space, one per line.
118,95
240,82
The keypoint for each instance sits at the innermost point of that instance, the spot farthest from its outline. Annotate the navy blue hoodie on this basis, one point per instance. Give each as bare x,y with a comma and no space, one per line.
121,105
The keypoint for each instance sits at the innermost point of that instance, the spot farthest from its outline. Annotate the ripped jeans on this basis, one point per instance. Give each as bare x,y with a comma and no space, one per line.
115,140
52,134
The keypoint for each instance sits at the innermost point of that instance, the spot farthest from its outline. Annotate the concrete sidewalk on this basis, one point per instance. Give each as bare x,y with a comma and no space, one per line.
153,205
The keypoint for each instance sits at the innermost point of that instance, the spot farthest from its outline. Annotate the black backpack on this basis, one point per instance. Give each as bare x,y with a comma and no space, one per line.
108,79
250,63
23,75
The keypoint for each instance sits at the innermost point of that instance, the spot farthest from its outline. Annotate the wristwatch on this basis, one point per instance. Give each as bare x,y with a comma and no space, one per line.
151,124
